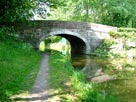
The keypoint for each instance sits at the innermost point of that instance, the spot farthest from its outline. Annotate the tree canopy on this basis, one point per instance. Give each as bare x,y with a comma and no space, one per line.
19,10
14,10
119,13
111,12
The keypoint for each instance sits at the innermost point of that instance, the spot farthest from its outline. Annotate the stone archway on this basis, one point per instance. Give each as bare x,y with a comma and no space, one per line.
77,42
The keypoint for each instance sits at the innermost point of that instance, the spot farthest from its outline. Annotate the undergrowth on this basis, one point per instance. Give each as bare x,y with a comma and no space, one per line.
19,65
117,45
62,72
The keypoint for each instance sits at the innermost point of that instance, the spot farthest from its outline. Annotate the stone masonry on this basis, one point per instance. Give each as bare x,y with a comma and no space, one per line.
83,37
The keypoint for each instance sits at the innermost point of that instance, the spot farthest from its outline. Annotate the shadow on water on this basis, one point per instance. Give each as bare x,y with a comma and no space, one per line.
115,76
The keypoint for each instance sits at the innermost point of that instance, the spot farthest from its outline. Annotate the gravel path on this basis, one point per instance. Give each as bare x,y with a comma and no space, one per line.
40,88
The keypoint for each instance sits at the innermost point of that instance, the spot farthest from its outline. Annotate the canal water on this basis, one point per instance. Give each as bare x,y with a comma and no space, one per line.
116,77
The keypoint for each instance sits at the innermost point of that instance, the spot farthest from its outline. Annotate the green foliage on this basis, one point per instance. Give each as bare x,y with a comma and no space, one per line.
7,33
78,10
14,10
19,65
126,29
108,42
88,92
61,66
113,34
119,41
53,39
125,33
103,50
120,13
117,12
119,34
57,3
48,41
61,72
62,12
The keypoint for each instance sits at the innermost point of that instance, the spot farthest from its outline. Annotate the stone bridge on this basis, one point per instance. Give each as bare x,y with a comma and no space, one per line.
83,37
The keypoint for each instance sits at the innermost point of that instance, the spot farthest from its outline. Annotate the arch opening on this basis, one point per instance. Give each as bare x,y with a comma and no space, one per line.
78,46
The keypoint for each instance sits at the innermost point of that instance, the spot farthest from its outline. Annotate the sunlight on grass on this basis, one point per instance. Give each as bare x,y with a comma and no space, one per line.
57,46
42,46
19,65
61,45
71,85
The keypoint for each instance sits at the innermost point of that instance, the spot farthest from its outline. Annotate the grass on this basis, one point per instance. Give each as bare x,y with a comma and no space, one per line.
19,65
60,70
73,85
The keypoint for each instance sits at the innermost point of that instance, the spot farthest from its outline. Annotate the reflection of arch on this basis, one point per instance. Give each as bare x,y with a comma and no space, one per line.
77,42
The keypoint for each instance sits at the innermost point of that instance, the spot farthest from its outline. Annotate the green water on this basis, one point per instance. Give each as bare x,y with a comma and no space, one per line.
121,80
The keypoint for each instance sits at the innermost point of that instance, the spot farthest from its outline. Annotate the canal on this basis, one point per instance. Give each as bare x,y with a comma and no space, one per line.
116,77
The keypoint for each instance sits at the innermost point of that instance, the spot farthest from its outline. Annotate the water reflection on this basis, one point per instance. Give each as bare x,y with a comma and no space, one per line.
92,67
118,76
124,89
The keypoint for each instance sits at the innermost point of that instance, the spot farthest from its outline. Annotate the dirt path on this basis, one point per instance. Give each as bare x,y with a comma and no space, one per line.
40,88
40,91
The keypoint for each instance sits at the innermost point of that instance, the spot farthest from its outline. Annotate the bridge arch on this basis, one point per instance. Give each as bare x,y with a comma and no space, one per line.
77,42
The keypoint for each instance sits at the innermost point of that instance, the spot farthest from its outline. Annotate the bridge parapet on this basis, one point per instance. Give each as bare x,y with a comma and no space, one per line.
64,25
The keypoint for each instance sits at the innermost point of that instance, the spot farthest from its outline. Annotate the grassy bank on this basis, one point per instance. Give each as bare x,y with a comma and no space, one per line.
19,65
121,44
70,85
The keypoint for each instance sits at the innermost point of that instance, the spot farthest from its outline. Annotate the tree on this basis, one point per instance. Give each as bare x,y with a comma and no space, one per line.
14,10
111,12
117,12
19,10
83,10
77,10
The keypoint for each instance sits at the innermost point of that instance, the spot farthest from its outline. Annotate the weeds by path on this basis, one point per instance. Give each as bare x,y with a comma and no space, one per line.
19,65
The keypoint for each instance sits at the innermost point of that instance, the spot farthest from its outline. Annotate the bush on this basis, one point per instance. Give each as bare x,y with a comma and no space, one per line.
7,33
126,30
